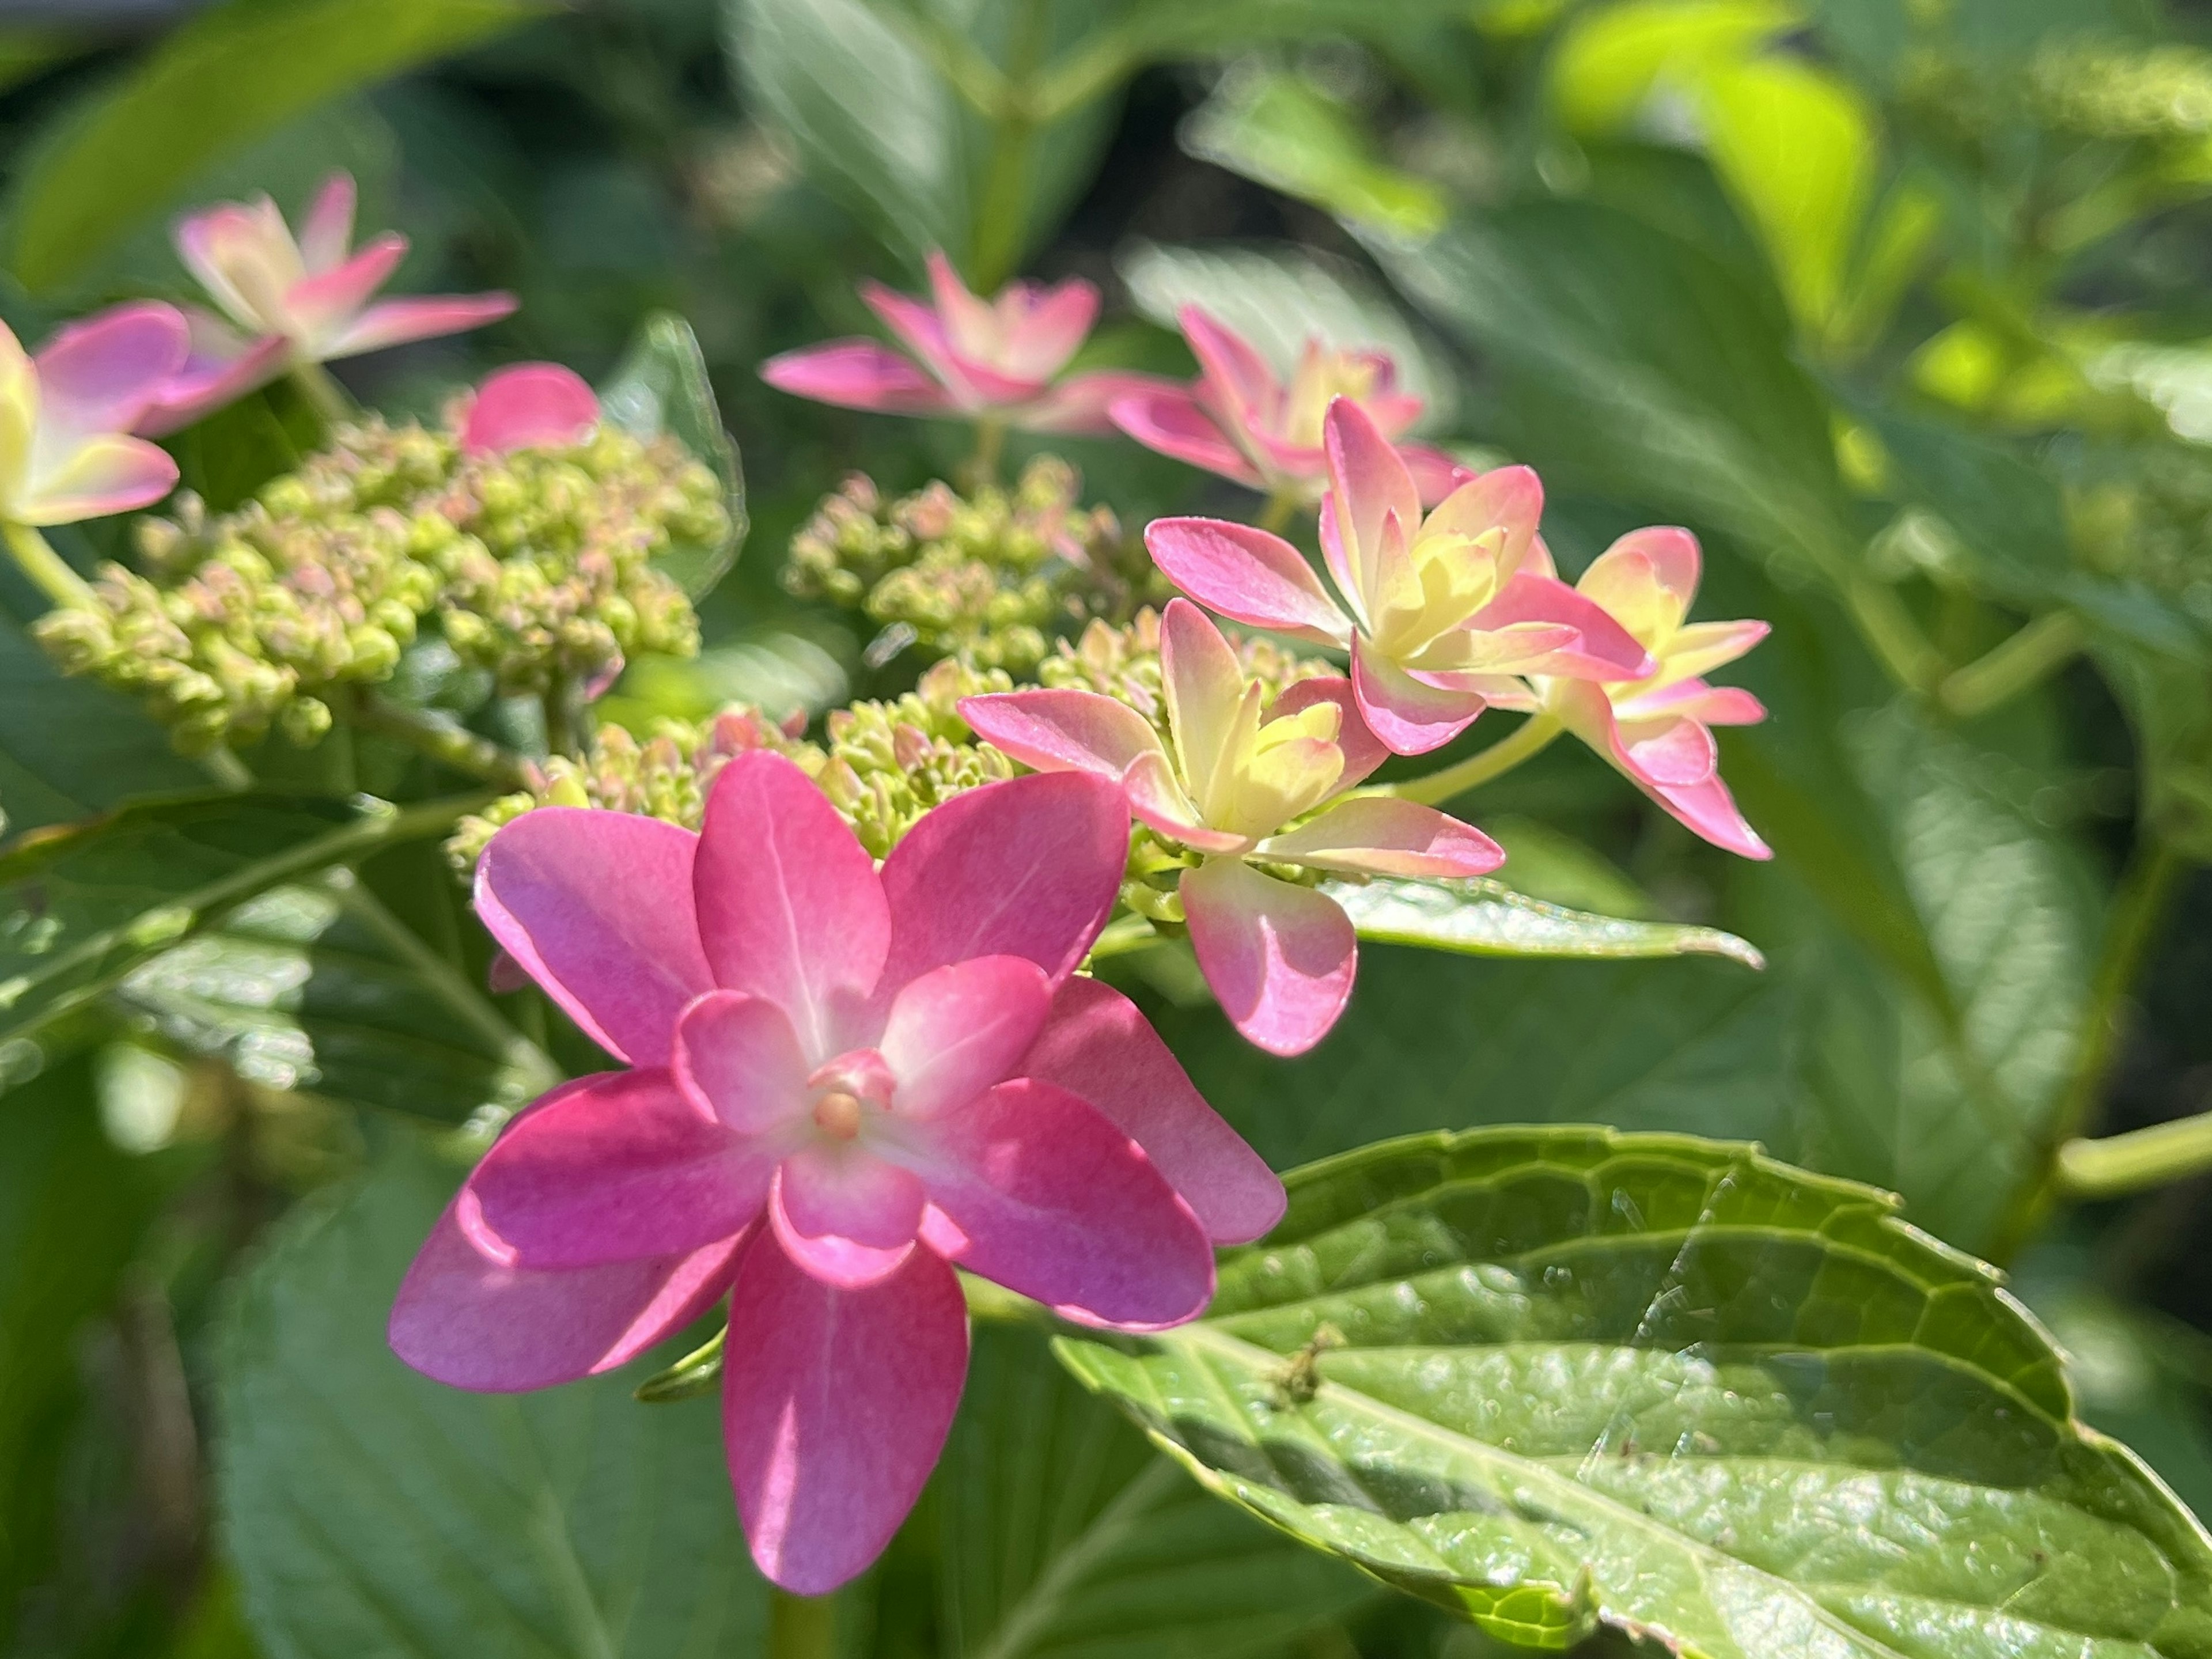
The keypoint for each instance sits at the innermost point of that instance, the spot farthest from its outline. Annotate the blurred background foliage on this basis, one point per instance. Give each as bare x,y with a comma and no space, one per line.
1900,304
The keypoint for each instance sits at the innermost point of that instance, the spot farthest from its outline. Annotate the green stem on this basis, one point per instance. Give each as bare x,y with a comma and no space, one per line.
2029,657
319,387
801,1626
1282,507
1895,638
2132,927
1122,935
1534,735
2119,1164
561,737
1002,210
990,445
445,741
38,560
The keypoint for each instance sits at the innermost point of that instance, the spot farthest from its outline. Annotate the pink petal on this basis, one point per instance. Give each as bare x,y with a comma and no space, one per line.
1709,705
835,1405
243,254
1407,715
1099,1047
1083,403
1158,801
1363,751
965,318
1052,325
1712,811
1508,498
530,406
618,1167
957,1029
1173,423
1238,375
858,374
844,1215
1339,556
1435,473
1247,576
738,1061
102,373
1647,579
1279,958
1368,483
1203,683
973,383
328,301
1049,1199
596,906
474,1321
1703,647
108,474
327,231
1604,650
396,322
1666,749
1705,806
1064,730
1381,837
789,905
221,368
1029,867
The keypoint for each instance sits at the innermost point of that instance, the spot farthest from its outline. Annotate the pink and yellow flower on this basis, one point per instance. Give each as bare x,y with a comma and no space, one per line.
66,416
842,1083
1279,956
1238,419
971,357
286,301
1433,606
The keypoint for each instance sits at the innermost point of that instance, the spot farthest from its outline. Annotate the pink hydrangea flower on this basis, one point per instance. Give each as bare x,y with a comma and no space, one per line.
527,407
1238,420
66,415
971,357
1279,956
843,1083
285,301
1433,606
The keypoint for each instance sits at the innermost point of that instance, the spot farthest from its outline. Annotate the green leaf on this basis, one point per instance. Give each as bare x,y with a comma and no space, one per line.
369,1509
1548,1378
1610,60
236,72
80,907
1486,918
1058,1530
660,386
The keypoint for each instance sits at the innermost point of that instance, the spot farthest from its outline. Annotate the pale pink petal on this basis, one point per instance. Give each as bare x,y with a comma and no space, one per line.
1712,811
1435,474
1173,423
1701,647
1098,1047
1363,751
1379,835
956,1030
1508,498
1247,576
967,321
1603,649
858,374
1705,806
835,1405
244,256
475,1321
1157,801
1059,729
975,384
845,1216
1279,958
596,906
1368,485
1237,376
530,406
1051,326
1666,749
738,1059
1029,867
616,1168
1338,556
1204,686
1710,705
1083,403
1049,1199
1646,578
788,902
396,322
102,374
325,304
100,475
1286,462
222,366
1409,716
327,231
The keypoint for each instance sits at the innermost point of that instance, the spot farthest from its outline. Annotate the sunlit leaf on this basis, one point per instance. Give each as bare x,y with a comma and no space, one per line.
1486,918
1610,60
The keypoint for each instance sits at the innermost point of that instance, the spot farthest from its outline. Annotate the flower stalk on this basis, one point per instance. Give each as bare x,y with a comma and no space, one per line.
1530,738
445,741
2028,658
2116,1165
36,558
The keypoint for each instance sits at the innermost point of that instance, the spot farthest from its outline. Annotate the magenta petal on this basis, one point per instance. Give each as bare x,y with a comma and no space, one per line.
1029,867
328,301
835,1405
1668,749
1606,651
1052,1200
1363,751
1235,373
858,374
1409,716
1063,730
530,406
1099,1047
1173,423
1379,835
789,905
736,1058
616,1168
396,322
1083,403
1247,576
473,1321
102,374
596,906
213,377
847,1216
1279,958
1712,811
956,1030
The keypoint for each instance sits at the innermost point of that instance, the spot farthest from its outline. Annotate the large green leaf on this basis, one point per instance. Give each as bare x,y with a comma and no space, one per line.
1486,918
660,386
369,1509
1551,1377
237,72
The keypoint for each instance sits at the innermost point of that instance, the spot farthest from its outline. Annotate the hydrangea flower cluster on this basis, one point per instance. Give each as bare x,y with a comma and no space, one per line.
989,577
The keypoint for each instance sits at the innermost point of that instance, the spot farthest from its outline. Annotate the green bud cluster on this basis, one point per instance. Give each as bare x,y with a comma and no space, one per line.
891,762
2113,89
536,565
1124,664
990,578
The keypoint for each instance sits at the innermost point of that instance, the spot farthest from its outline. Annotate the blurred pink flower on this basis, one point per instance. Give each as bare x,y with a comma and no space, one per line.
1238,420
66,415
1432,607
971,357
286,301
1279,956
843,1083
527,407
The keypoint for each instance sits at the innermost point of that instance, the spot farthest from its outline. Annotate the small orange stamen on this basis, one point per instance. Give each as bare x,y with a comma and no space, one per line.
839,1114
